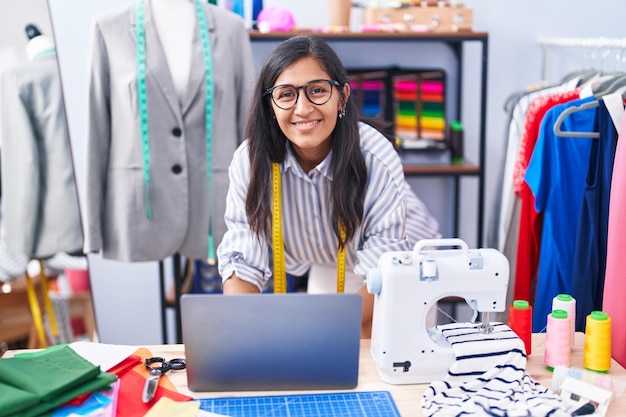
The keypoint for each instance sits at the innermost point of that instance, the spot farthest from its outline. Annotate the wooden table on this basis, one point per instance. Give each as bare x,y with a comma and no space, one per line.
408,397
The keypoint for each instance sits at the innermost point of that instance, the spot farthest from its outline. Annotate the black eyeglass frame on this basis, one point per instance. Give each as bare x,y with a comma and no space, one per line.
304,87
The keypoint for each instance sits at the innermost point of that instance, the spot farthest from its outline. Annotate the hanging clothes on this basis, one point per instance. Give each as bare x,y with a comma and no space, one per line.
589,262
504,226
494,220
507,197
530,222
613,295
556,179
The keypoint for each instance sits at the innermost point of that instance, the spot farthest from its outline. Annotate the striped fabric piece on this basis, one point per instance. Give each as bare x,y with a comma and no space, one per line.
488,378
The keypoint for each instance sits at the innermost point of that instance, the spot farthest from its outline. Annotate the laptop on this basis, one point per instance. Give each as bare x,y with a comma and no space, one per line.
267,342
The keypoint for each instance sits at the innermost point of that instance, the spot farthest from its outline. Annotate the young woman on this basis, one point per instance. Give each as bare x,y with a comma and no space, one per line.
342,184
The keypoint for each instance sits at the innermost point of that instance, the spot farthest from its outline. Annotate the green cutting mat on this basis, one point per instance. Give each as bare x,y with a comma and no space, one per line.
353,404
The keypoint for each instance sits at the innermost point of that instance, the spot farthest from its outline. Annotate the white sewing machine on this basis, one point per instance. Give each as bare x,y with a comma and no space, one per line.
405,348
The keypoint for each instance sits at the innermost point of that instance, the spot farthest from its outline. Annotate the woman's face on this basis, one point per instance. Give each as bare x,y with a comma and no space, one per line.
308,126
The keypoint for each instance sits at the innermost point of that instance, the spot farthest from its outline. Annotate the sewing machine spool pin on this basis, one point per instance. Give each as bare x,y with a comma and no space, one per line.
405,346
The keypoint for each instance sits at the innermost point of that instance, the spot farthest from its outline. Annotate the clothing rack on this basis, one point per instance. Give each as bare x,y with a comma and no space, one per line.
566,42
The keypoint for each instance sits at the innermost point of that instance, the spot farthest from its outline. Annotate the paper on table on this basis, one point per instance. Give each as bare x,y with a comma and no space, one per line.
101,354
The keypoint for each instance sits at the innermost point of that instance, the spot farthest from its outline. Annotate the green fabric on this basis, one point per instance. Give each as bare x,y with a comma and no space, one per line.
410,106
33,384
103,381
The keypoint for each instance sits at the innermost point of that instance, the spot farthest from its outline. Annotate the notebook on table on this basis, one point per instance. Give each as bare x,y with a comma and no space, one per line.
266,342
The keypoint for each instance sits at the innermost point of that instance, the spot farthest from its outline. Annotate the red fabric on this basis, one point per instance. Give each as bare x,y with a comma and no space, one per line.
132,375
126,365
529,239
129,403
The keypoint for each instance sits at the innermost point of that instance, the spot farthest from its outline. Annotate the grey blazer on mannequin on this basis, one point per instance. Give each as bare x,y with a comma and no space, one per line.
39,199
116,220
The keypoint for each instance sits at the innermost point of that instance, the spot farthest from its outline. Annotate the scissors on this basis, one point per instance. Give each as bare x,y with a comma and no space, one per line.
158,366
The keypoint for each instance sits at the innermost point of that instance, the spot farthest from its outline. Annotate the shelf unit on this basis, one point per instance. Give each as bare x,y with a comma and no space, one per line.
455,40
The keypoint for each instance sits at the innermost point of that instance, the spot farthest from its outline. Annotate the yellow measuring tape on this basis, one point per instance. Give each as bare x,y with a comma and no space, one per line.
35,311
341,261
280,276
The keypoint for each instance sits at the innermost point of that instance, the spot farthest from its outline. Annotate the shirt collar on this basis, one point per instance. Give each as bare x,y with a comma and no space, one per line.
291,163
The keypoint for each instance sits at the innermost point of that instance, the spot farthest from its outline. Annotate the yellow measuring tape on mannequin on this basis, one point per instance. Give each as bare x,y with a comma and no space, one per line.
280,275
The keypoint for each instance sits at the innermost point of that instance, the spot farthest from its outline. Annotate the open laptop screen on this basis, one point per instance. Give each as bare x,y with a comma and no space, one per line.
253,342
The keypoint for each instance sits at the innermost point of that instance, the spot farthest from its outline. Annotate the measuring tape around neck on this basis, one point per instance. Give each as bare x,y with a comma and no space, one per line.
143,105
280,277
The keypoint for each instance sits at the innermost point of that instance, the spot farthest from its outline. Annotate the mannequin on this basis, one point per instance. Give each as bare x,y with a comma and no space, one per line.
147,192
38,44
39,201
175,23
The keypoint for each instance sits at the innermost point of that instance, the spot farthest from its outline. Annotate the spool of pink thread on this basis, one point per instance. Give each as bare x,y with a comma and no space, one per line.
558,340
568,303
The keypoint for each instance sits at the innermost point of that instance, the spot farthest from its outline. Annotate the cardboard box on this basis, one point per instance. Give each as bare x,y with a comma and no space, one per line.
420,19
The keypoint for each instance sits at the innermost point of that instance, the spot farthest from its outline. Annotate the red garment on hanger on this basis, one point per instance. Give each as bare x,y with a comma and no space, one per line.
529,238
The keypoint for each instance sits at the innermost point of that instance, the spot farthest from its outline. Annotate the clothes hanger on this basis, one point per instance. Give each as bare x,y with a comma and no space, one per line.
575,74
612,85
570,110
588,75
595,83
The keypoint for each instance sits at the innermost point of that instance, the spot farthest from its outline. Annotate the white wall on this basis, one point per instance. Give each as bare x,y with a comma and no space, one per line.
126,302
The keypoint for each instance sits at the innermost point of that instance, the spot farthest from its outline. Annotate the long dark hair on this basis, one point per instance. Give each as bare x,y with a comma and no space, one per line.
267,143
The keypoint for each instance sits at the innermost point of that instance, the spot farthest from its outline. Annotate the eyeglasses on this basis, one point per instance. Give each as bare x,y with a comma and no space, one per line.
319,92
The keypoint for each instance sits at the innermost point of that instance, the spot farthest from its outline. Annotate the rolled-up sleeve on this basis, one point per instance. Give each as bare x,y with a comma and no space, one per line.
241,252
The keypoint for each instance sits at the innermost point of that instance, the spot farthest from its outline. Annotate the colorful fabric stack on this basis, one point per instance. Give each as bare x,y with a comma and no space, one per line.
370,95
419,107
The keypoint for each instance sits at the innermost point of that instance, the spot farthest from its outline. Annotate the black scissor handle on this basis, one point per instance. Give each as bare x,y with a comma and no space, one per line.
176,364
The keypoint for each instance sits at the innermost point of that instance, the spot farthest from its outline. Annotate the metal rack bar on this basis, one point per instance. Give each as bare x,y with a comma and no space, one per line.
566,42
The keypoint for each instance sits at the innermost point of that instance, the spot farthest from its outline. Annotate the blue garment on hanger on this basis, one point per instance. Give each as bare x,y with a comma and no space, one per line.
590,255
556,176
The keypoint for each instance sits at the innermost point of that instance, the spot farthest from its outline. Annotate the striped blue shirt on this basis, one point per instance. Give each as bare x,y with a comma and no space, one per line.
393,217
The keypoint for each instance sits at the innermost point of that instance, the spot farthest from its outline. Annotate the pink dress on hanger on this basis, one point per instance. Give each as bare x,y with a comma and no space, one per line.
614,298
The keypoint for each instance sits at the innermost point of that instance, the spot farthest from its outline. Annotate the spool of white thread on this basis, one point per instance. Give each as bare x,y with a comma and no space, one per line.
568,303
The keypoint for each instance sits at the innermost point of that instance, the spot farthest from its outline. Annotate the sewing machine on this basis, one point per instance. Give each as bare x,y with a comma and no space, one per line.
405,347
